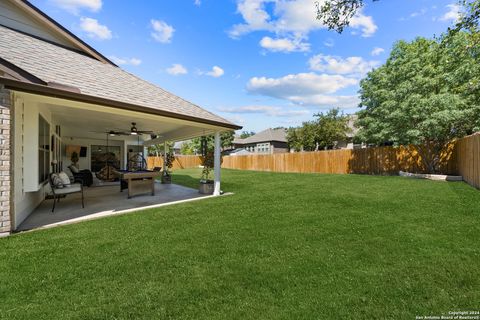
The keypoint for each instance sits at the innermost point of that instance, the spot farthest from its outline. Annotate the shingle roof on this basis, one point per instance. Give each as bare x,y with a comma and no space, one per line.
55,64
279,134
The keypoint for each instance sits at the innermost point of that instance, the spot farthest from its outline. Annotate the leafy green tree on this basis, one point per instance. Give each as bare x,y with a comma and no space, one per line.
331,128
156,150
187,148
294,138
427,93
246,134
194,146
336,14
321,133
309,137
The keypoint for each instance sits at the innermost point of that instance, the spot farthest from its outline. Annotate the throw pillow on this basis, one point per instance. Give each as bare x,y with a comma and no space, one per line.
56,181
64,177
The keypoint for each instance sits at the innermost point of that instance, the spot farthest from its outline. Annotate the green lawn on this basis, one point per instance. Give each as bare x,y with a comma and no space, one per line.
284,246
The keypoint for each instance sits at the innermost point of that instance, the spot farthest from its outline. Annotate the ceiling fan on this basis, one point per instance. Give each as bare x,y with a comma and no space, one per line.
132,132
112,133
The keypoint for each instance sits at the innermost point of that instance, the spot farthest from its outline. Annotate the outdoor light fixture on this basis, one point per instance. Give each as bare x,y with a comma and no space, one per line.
133,130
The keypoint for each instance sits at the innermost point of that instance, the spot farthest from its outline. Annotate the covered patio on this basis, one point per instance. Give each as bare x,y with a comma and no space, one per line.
95,129
62,99
104,201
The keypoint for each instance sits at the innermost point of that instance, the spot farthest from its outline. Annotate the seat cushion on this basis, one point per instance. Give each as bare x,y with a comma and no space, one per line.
71,188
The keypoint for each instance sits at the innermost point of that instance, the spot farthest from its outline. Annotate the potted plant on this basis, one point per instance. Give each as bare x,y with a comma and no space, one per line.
166,176
74,158
206,183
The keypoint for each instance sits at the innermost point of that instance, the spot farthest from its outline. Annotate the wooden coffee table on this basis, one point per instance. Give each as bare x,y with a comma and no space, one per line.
138,182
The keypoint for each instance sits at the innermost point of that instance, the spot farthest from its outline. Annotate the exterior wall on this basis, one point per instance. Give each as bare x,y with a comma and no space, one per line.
5,167
27,193
273,147
279,147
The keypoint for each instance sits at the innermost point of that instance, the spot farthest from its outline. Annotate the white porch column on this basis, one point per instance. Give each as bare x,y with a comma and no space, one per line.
216,165
164,156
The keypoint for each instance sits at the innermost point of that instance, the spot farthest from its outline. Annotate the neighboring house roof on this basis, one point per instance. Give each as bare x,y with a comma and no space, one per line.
57,71
236,152
351,125
179,144
279,134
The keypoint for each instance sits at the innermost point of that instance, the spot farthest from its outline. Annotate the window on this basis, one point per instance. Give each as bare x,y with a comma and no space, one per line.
43,149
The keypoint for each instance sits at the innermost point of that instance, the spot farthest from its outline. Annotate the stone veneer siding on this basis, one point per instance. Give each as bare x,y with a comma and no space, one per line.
5,164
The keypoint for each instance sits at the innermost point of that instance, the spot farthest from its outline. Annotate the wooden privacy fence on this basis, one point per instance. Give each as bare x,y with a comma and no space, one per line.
181,162
468,159
379,160
461,157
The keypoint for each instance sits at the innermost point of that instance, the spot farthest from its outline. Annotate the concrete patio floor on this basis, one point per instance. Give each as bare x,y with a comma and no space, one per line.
104,201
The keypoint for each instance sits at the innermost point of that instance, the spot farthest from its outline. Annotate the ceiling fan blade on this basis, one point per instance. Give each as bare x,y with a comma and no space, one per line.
103,132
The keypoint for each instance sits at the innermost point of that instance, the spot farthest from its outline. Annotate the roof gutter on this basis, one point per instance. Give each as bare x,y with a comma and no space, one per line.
75,96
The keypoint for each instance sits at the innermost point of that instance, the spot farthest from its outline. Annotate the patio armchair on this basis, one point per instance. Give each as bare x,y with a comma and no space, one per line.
60,189
85,175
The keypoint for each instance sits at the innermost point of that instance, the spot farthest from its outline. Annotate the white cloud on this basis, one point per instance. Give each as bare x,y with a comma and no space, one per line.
284,45
267,110
216,72
125,61
453,13
326,101
418,13
288,19
364,23
162,32
74,6
198,3
236,119
338,65
301,83
95,29
308,89
177,69
329,43
377,51
255,16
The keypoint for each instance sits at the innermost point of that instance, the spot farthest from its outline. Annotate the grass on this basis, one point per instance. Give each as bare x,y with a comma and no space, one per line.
284,246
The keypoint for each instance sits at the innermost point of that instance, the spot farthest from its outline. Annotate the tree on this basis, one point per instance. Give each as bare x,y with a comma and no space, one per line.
331,128
194,146
294,139
187,148
321,133
157,149
246,134
336,14
427,93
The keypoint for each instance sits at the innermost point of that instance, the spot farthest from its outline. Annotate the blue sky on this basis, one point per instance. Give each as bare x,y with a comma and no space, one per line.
258,63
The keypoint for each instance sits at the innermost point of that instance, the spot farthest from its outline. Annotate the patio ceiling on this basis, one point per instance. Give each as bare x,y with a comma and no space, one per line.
83,120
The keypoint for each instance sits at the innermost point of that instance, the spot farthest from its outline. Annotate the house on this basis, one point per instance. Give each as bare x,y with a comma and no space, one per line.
236,152
265,142
353,130
177,147
57,93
